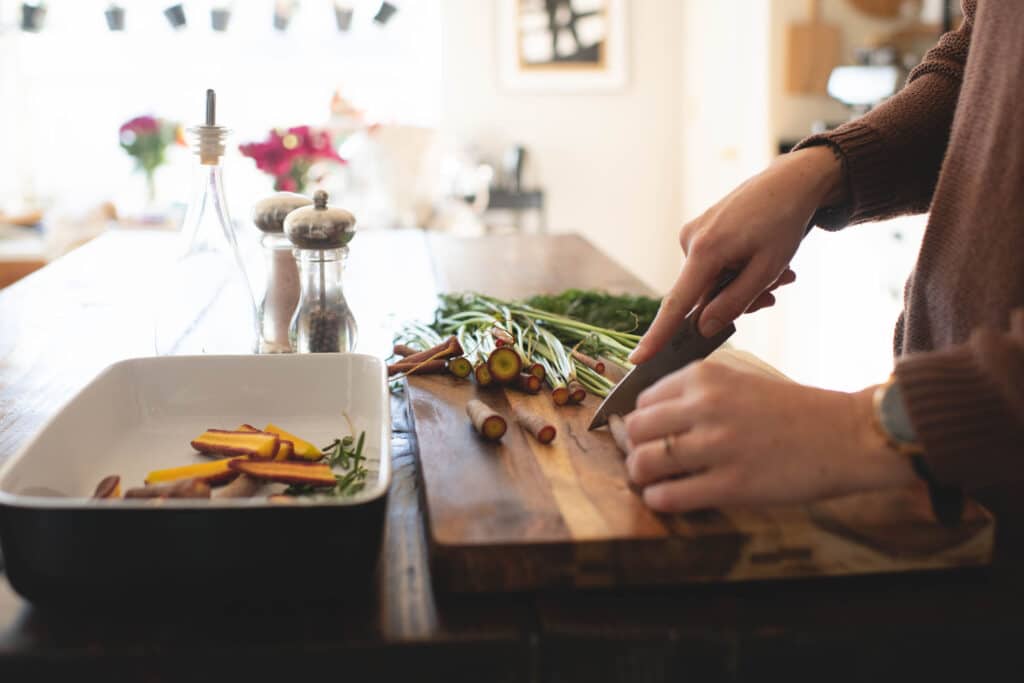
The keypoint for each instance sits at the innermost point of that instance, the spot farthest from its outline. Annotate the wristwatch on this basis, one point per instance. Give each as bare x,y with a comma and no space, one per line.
893,422
892,419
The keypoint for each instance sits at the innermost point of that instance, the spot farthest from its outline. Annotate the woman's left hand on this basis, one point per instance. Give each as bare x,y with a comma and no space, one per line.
711,435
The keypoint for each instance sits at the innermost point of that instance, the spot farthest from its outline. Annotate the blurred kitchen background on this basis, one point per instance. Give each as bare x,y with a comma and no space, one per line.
469,116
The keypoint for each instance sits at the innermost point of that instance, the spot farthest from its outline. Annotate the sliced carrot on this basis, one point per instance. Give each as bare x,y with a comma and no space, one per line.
302,449
259,445
213,472
314,474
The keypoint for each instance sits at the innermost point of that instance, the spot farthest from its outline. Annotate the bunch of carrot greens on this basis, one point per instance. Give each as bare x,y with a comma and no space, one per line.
524,345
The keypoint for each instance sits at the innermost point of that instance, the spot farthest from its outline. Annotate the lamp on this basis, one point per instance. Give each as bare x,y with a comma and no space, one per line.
176,16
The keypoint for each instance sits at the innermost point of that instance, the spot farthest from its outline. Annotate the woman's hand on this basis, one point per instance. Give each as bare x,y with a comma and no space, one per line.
755,230
710,435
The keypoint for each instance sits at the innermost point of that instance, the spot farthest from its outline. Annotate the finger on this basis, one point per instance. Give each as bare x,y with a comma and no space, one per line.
695,278
714,488
765,300
667,388
734,299
788,277
666,457
656,421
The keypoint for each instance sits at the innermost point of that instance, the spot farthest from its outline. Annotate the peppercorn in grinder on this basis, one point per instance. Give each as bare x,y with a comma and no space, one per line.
323,322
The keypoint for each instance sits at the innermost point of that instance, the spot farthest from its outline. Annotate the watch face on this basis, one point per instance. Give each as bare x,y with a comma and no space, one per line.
894,416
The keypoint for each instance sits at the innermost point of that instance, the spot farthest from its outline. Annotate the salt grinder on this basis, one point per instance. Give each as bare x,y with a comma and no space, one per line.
281,296
323,322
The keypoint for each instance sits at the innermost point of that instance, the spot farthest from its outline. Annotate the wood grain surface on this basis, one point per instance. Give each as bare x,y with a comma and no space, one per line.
520,515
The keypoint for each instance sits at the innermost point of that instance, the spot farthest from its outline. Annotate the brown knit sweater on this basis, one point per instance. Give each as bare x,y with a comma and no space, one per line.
952,142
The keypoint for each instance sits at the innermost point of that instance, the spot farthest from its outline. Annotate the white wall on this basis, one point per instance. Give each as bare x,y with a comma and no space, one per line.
726,124
610,162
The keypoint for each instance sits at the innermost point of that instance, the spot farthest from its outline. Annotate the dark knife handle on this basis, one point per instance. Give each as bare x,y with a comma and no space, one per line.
724,278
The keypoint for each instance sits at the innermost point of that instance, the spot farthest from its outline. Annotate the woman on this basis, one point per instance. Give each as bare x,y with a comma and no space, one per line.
952,142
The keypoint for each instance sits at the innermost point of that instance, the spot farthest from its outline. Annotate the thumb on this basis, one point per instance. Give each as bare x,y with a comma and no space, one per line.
735,299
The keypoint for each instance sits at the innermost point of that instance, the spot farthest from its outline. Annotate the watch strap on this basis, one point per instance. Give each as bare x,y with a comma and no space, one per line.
947,501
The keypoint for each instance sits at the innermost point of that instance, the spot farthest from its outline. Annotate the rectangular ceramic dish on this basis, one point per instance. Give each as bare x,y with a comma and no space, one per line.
139,415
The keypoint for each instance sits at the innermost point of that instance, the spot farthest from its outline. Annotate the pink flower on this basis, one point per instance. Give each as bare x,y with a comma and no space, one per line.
141,125
287,154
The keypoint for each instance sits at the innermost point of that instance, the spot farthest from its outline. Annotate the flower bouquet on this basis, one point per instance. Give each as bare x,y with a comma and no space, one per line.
146,139
288,155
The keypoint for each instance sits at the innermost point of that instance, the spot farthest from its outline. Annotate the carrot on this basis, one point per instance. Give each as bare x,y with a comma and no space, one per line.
403,350
502,337
243,486
486,422
449,348
560,395
528,383
537,370
504,364
423,367
312,473
617,426
482,374
592,363
460,367
541,429
576,392
109,487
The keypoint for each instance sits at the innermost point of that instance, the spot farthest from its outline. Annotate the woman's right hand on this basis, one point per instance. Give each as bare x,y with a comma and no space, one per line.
755,230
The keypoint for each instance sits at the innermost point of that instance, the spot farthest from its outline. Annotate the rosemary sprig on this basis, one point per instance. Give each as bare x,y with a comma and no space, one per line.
345,454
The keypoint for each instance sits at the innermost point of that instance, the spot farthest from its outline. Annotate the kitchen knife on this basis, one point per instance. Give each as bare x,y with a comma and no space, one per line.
685,346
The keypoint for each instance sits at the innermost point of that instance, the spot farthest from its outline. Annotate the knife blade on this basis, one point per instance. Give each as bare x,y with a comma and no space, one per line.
685,346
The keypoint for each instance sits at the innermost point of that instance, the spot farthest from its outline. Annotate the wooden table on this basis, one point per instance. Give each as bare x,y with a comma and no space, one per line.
63,324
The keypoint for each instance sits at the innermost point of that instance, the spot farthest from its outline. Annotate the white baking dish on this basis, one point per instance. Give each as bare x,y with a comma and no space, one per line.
139,415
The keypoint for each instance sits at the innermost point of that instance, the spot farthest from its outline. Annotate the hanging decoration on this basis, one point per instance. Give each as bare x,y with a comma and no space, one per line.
115,17
283,11
220,17
32,17
176,16
343,15
384,14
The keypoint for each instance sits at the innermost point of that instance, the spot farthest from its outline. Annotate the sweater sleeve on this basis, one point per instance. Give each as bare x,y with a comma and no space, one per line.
891,156
966,404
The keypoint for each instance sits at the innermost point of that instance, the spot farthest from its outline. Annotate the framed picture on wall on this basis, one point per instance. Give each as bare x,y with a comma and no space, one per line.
562,45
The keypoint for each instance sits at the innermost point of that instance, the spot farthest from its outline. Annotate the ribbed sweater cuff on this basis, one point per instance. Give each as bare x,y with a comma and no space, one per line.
957,413
868,170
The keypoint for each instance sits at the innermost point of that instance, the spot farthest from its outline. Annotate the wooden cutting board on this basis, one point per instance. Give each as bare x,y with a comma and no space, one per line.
812,51
519,515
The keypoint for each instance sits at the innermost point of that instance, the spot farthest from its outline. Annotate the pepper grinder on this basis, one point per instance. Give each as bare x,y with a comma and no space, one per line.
323,322
281,296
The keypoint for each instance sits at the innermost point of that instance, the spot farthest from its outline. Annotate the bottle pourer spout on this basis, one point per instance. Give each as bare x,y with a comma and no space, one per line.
211,107
210,137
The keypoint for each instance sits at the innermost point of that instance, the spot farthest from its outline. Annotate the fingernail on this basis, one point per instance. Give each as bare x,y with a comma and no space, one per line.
633,354
711,327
